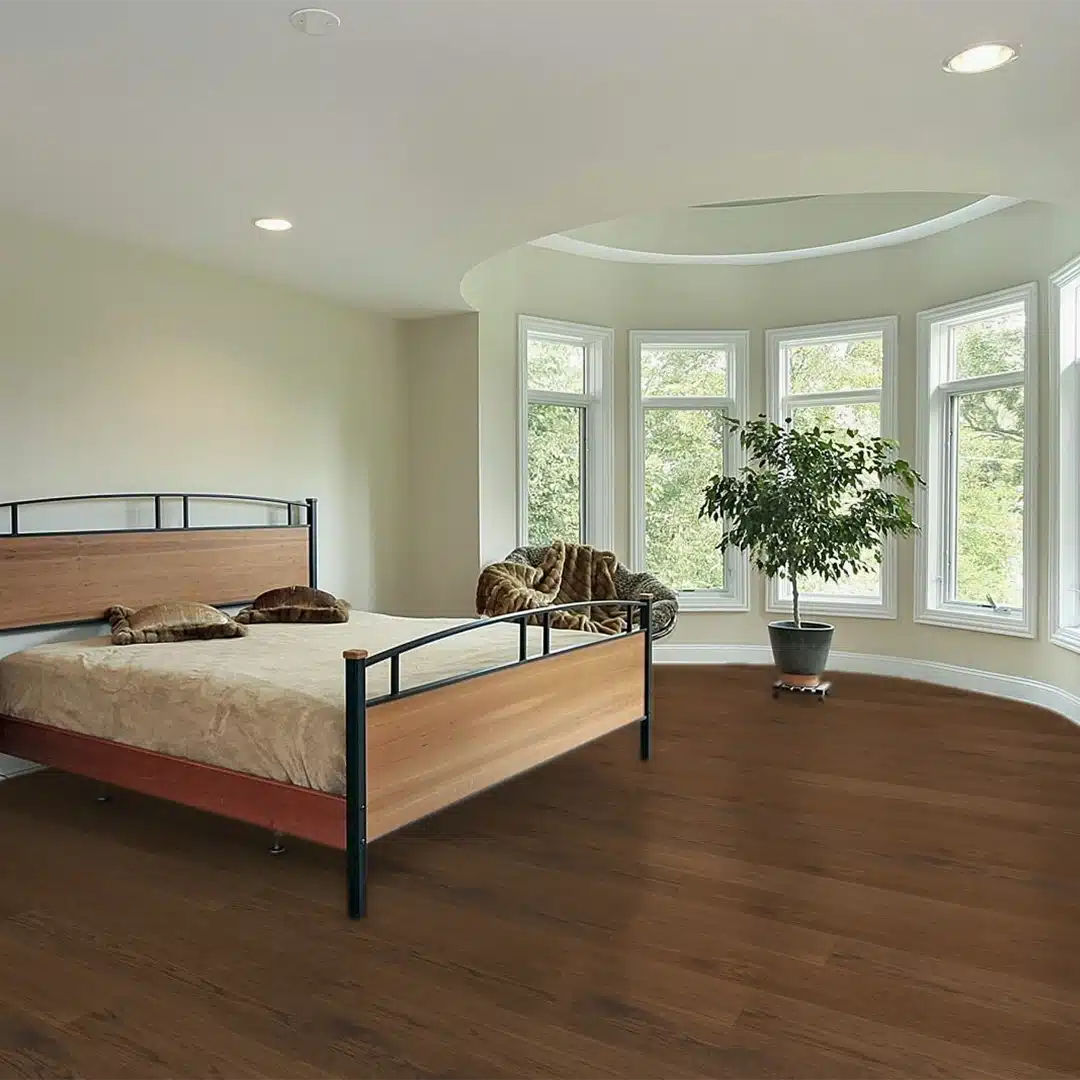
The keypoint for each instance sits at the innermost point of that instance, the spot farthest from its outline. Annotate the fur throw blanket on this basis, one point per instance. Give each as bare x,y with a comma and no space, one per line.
568,573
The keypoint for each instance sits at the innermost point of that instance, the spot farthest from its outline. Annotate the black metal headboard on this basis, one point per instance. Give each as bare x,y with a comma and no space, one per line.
53,576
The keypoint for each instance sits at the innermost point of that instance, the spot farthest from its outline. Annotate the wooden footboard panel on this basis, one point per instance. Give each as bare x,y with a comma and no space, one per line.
428,750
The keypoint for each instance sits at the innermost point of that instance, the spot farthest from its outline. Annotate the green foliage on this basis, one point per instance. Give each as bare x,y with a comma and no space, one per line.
990,466
823,366
556,365
682,447
683,372
811,502
681,450
555,472
556,465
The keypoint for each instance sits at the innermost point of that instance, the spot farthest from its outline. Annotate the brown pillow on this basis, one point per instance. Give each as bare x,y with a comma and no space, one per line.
176,620
295,603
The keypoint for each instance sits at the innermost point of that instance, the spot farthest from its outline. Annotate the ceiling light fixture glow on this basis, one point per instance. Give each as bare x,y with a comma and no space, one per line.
980,58
272,224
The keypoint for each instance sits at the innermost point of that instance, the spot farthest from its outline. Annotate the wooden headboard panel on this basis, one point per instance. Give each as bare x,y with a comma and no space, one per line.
51,578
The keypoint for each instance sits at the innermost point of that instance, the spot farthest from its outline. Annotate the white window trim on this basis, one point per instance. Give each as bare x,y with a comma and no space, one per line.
930,420
735,596
599,342
1064,577
886,326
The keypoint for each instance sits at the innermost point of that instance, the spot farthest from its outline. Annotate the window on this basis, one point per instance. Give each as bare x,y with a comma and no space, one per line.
843,376
683,386
1065,474
976,399
565,432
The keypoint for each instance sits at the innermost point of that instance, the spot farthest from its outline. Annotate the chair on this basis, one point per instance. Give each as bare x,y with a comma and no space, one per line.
628,586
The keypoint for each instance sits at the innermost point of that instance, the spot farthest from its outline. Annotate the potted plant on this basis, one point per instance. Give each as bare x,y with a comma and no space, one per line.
810,503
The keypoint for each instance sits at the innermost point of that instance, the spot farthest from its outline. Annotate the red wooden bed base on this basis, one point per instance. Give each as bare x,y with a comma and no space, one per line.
285,808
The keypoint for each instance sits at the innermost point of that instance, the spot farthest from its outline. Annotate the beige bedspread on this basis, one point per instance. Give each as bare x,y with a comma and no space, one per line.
271,703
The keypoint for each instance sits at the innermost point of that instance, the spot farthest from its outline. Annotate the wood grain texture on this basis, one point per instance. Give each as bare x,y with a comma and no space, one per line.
69,578
881,885
430,750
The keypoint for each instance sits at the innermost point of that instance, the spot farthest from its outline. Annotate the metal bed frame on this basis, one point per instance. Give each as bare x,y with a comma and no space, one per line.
190,783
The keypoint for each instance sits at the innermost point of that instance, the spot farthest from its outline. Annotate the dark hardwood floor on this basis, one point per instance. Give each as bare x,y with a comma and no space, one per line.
886,884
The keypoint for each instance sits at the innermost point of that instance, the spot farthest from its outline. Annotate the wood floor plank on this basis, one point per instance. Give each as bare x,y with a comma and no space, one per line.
883,885
908,1050
1054,1000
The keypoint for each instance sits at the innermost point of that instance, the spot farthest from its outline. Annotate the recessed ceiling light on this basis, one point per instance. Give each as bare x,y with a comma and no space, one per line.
980,58
317,22
272,224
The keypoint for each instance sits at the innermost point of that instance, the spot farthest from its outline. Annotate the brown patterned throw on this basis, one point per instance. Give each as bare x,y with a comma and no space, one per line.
568,573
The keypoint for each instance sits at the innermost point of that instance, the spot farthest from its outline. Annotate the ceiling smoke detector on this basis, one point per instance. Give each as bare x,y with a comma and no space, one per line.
315,22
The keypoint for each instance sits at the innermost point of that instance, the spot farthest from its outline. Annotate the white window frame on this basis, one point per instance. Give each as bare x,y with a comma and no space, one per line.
1064,575
780,403
734,596
598,515
932,400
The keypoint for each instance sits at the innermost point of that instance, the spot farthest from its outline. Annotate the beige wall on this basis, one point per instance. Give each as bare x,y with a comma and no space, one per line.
122,370
443,491
1021,244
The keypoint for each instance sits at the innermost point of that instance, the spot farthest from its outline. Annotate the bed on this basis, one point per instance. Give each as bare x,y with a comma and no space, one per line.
337,733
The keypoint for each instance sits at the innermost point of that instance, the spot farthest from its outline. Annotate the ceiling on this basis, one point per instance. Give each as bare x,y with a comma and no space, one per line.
775,230
428,135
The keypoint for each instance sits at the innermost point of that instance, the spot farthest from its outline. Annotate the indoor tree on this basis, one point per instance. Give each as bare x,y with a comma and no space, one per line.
813,502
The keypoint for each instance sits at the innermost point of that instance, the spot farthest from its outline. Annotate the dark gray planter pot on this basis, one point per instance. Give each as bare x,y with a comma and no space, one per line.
802,650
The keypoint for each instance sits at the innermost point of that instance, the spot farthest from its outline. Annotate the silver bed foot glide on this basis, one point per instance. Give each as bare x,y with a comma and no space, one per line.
277,847
103,796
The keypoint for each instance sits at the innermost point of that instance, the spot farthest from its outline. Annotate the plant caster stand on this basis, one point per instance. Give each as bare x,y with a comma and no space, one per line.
819,690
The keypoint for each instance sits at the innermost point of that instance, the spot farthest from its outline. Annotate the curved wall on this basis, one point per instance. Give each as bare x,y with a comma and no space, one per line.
1024,243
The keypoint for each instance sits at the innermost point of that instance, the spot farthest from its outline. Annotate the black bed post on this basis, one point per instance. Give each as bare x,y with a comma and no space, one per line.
312,542
356,780
646,720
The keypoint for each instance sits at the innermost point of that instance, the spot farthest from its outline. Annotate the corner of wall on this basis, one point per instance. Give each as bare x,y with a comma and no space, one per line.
442,516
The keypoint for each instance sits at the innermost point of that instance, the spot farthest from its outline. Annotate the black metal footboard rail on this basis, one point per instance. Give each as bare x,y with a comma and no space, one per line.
357,704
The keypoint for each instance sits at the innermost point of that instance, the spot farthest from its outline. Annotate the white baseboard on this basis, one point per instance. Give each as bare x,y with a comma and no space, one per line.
1011,687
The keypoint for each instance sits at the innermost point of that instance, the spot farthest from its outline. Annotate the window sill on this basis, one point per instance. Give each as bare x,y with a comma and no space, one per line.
983,624
711,601
839,609
1067,637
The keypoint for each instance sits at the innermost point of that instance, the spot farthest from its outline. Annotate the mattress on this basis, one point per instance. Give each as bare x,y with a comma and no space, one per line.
270,704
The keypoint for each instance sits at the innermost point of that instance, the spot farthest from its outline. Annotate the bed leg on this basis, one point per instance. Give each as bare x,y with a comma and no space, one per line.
356,780
277,847
645,725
